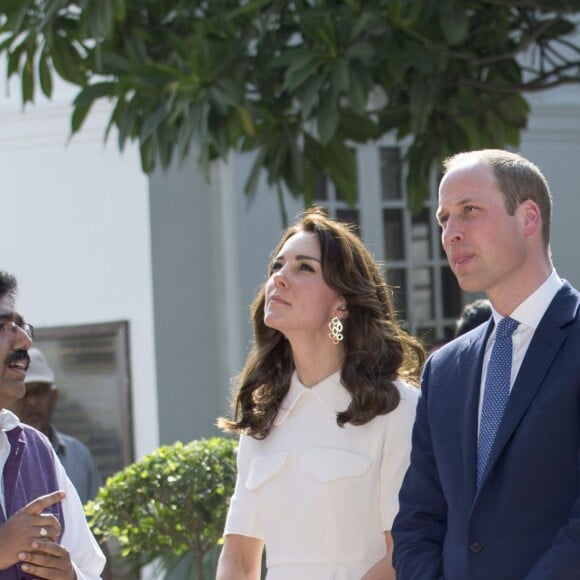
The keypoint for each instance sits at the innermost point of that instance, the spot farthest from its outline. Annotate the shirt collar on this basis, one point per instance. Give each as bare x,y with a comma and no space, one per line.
330,392
8,420
533,308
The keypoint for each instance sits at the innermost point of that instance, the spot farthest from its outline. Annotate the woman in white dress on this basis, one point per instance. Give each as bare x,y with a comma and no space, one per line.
324,407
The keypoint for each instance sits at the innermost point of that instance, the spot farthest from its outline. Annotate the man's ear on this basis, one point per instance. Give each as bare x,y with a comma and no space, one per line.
532,217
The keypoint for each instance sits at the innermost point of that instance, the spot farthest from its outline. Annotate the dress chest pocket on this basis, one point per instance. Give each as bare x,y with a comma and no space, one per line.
327,465
264,468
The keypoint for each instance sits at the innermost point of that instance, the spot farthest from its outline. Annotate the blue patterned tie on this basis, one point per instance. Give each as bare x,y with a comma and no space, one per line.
497,390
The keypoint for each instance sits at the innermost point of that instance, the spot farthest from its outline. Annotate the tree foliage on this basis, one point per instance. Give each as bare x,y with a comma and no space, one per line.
171,502
298,82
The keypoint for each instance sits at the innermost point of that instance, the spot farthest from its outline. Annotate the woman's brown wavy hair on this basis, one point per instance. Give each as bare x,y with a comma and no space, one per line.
376,349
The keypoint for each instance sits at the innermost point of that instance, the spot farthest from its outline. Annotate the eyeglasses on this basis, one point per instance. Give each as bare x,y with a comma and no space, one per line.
10,327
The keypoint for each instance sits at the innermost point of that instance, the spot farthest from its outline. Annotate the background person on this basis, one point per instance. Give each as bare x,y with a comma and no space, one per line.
43,530
324,415
492,491
36,408
472,315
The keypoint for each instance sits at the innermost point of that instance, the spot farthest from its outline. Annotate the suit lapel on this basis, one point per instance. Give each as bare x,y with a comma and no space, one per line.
543,348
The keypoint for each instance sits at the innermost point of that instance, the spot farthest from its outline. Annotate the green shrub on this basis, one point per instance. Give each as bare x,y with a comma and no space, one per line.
171,503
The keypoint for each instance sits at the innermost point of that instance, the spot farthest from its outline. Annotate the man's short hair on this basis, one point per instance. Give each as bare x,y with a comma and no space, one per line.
8,285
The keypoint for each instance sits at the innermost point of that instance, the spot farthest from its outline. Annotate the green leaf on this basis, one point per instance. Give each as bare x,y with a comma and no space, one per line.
454,21
90,93
51,10
294,57
79,115
14,59
357,95
120,8
559,28
251,185
27,81
318,25
341,168
340,76
220,99
67,61
17,20
514,110
358,128
246,120
152,122
295,165
128,121
421,105
115,63
310,95
44,74
275,159
298,74
362,51
420,157
327,122
165,145
362,23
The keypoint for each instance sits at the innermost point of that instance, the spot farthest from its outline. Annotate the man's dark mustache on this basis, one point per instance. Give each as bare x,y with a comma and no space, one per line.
16,356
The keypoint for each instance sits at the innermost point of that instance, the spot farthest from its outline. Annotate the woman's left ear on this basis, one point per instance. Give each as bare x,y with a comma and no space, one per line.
343,310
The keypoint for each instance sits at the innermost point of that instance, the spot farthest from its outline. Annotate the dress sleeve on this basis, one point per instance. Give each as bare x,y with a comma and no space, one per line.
86,555
396,452
242,515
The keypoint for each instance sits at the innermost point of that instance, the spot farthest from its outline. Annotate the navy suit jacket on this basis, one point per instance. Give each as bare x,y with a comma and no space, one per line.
524,520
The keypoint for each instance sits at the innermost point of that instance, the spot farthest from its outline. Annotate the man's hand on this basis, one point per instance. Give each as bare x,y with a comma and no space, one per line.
27,533
48,560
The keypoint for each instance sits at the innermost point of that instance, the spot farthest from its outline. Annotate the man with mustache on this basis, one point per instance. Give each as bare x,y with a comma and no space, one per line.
43,530
37,408
493,489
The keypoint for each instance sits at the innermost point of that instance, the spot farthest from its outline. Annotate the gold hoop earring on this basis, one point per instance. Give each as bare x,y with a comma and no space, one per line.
335,326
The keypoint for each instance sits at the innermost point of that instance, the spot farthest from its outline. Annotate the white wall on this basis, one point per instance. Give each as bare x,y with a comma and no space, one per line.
75,231
552,141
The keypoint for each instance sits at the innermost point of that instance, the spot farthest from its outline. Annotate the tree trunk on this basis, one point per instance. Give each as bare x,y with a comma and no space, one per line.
198,565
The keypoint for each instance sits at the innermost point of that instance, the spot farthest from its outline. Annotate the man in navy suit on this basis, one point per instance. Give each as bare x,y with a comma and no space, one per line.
520,518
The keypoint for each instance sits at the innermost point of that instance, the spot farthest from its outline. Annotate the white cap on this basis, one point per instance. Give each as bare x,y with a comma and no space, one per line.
38,370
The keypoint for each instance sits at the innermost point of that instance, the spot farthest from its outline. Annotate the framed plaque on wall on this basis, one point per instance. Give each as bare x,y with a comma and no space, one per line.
91,367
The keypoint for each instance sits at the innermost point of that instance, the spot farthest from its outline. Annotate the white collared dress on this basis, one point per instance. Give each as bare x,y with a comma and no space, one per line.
321,496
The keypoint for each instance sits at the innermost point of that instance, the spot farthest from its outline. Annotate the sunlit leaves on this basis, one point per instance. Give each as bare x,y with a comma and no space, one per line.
173,500
296,82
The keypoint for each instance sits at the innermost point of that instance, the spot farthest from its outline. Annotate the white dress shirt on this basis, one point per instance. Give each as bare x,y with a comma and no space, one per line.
322,496
529,314
86,555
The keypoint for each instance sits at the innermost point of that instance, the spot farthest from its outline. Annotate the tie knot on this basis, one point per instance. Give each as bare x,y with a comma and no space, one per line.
506,327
